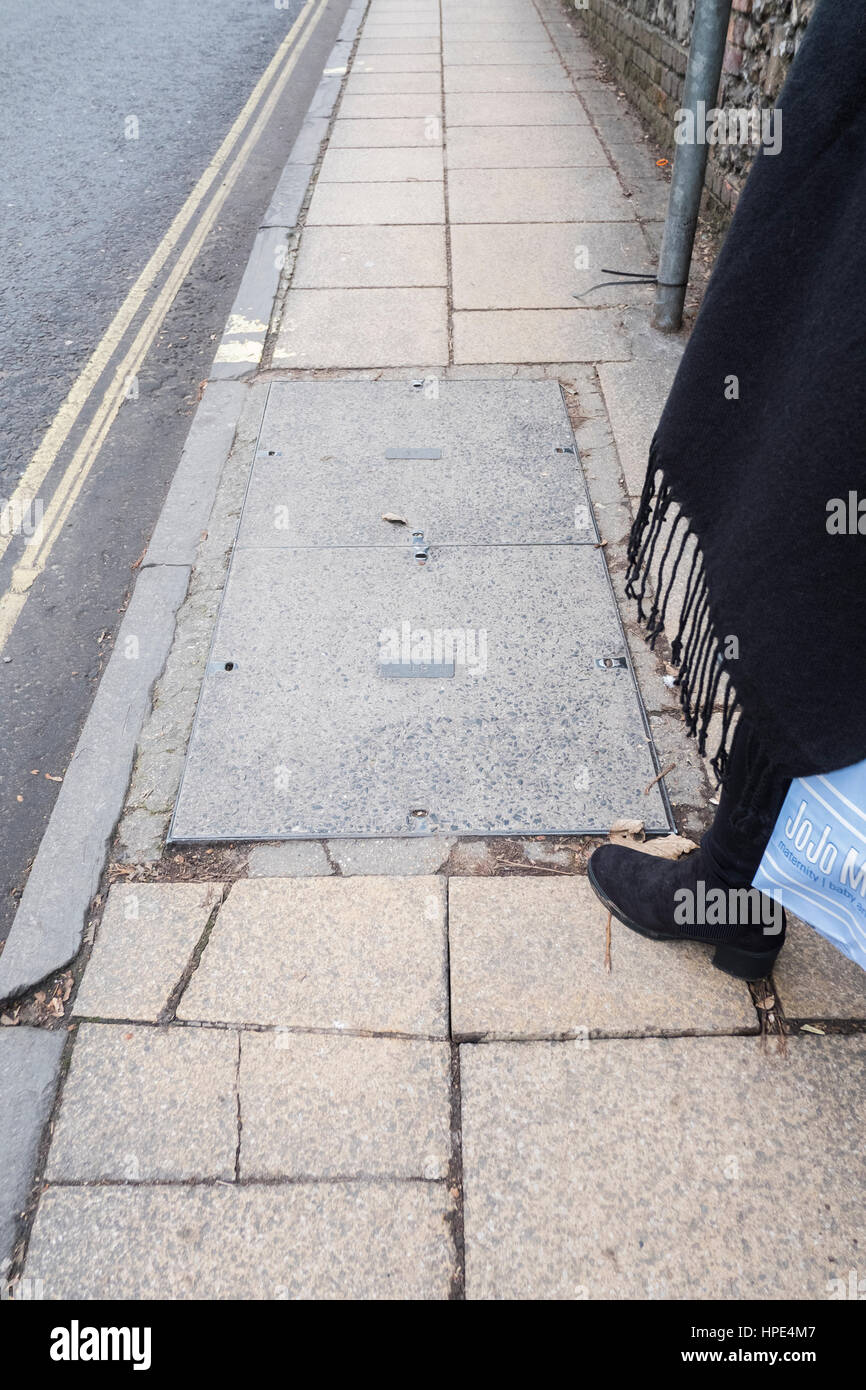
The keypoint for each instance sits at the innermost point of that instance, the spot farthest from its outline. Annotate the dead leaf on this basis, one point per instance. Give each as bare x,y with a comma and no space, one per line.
53,779
394,519
810,1028
669,846
768,1003
7,1021
631,828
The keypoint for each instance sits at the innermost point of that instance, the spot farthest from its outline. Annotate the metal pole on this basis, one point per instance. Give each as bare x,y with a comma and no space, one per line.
701,88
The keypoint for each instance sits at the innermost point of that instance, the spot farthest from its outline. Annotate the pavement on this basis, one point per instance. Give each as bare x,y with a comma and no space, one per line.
413,1068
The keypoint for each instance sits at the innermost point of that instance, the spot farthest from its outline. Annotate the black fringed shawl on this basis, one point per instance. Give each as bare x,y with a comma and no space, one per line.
739,492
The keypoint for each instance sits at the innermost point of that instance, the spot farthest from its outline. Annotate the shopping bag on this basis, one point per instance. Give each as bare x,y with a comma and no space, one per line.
815,859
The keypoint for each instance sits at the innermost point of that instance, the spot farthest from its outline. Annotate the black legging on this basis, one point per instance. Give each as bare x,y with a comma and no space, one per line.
735,855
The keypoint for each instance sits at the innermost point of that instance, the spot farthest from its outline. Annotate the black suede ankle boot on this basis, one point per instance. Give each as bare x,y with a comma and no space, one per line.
688,900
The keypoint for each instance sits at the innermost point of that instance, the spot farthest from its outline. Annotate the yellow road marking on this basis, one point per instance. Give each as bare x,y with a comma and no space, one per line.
69,486
31,480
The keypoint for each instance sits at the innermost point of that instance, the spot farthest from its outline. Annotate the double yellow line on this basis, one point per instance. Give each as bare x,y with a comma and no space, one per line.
222,172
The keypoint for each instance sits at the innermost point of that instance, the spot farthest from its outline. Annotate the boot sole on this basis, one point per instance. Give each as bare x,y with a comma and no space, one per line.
727,957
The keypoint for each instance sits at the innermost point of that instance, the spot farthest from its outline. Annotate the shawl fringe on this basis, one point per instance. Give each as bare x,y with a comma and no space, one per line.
696,646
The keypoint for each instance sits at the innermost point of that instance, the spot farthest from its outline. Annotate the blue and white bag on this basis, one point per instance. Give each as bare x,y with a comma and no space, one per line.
815,859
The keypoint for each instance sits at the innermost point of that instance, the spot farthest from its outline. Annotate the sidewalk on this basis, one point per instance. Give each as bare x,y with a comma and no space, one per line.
400,1068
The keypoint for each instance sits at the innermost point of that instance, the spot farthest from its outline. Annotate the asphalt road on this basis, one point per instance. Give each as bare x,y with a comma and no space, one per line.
83,208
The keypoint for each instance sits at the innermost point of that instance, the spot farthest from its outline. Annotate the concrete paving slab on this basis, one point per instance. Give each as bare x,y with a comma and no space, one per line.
346,1241
145,940
497,51
378,166
507,77
397,63
456,32
390,105
505,472
366,956
291,859
527,961
635,394
814,979
378,257
363,328
369,134
29,1070
401,30
391,856
327,1107
148,1103
537,195
372,83
534,265
538,335
523,147
457,754
376,47
376,204
689,1168
289,196
513,108
49,923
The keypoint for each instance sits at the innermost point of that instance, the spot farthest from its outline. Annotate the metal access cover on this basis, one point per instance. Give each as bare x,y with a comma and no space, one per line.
356,690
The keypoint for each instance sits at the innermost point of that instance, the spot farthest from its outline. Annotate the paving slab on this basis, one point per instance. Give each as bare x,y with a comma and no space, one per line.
419,856
363,328
385,133
534,265
456,32
513,108
374,83
377,47
528,961
479,750
322,1241
459,52
291,859
380,165
356,106
330,1107
523,147
397,62
405,29
538,335
635,394
815,980
506,470
147,1103
29,1070
377,204
145,940
689,1168
537,195
507,77
365,956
